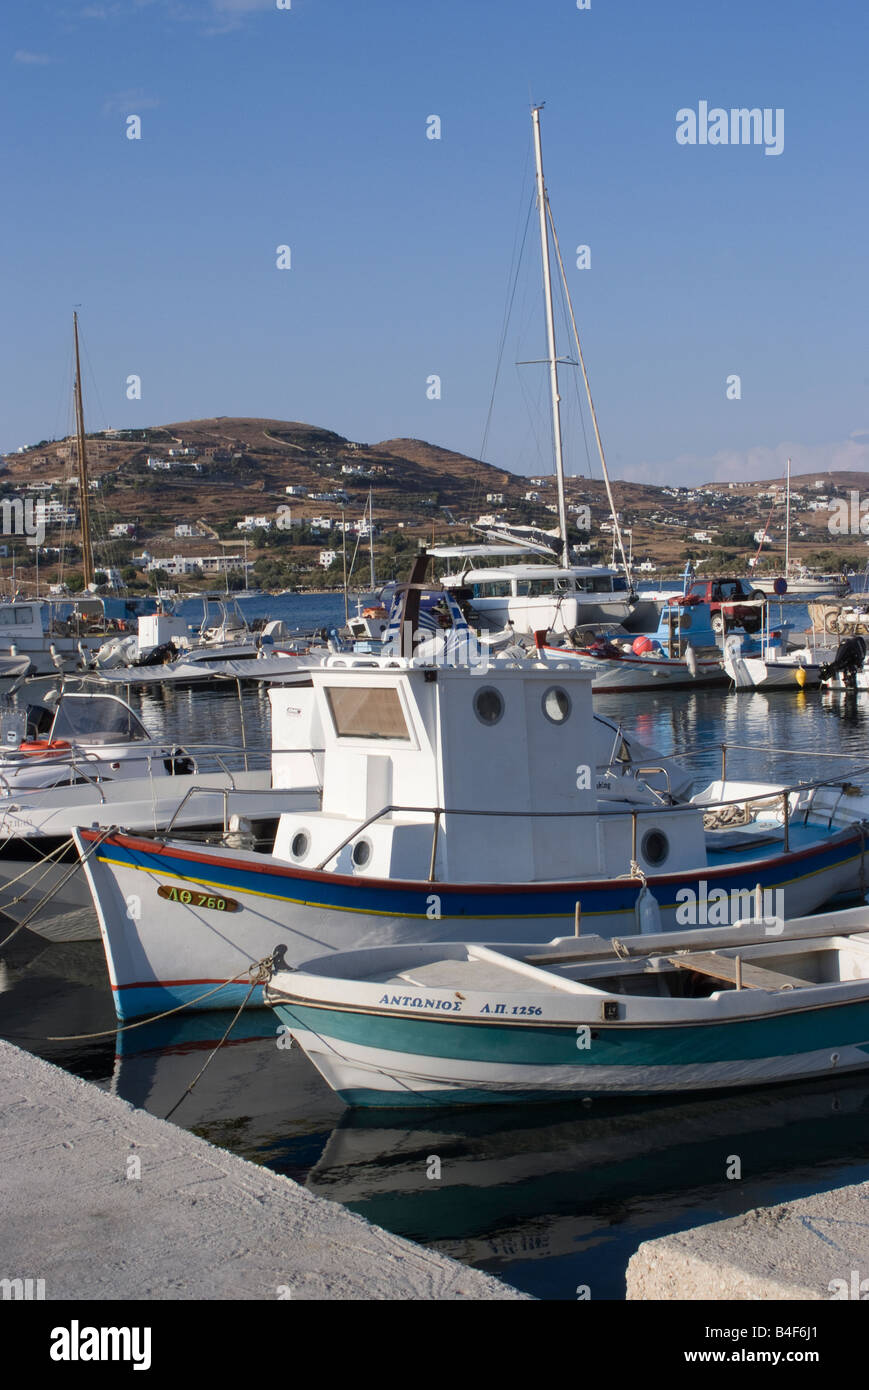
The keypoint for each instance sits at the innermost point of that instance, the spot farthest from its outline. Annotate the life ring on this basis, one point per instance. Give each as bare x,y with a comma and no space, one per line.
832,622
44,745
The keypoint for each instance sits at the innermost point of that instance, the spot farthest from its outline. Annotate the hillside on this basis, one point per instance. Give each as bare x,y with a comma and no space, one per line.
210,474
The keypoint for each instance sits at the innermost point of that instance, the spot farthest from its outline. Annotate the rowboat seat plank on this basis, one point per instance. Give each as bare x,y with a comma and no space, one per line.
464,974
724,968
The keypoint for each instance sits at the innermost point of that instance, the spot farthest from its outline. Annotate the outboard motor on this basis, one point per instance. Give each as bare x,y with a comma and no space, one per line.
850,655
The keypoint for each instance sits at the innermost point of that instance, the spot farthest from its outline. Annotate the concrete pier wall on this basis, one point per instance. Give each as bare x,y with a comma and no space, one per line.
813,1248
100,1200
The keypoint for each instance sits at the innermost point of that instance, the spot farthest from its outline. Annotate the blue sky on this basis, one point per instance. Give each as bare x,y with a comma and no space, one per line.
307,127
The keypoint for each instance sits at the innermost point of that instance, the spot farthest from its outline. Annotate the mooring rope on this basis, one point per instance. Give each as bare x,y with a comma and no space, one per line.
73,868
259,967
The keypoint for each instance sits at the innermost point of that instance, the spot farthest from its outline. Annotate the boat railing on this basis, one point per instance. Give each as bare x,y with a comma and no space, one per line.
726,748
227,792
750,801
85,762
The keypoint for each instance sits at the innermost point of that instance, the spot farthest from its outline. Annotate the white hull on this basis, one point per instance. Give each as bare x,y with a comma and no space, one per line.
68,914
352,1068
160,953
640,673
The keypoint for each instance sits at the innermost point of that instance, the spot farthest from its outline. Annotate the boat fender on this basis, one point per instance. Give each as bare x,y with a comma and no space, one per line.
648,913
691,661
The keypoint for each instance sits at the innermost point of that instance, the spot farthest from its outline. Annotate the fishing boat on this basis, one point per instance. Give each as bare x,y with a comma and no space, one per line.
62,633
683,651
80,758
583,1017
455,796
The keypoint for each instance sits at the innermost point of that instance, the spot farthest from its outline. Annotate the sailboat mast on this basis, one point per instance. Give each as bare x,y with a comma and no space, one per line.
550,338
788,524
84,494
371,539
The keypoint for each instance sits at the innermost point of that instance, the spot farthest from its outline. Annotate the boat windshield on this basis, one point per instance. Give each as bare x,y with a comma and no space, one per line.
97,719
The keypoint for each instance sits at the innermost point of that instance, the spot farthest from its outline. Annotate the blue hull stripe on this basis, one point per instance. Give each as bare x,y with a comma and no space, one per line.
836,1025
398,898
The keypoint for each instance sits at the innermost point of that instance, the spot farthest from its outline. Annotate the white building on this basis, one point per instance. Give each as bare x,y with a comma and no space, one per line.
177,565
327,558
254,523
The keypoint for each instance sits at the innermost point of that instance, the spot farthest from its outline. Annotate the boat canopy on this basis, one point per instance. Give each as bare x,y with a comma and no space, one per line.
480,552
481,576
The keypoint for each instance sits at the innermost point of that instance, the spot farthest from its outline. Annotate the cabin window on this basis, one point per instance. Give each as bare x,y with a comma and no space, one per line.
367,712
300,845
655,847
24,615
361,853
494,589
488,705
556,704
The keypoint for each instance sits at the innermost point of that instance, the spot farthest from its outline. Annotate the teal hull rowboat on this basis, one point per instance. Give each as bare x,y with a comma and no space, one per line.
470,1024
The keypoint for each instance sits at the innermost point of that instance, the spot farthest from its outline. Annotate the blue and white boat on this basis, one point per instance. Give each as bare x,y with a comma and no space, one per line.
468,1024
458,801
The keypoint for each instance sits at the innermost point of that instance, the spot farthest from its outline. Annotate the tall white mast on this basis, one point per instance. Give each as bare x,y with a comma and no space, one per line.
371,539
550,337
788,524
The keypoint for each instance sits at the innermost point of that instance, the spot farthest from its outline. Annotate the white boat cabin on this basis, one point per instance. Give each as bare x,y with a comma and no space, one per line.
517,738
539,597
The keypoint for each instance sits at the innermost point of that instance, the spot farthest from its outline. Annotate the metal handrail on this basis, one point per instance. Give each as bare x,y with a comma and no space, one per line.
780,793
743,747
226,792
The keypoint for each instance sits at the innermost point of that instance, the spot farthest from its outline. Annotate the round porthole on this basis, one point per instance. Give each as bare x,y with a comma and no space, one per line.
488,705
556,704
361,853
300,845
655,847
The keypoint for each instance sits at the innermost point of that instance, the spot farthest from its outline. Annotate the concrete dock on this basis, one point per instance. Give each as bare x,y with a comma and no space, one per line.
100,1200
814,1248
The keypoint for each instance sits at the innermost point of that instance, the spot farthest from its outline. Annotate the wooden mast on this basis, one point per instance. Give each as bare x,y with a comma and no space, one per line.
84,493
